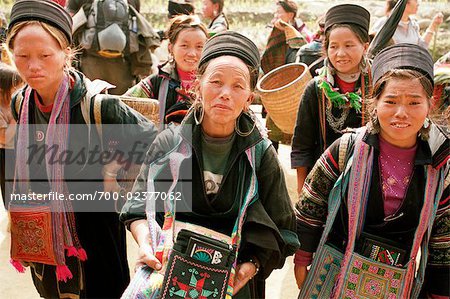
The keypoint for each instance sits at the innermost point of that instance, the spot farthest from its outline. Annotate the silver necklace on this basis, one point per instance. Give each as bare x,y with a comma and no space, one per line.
337,123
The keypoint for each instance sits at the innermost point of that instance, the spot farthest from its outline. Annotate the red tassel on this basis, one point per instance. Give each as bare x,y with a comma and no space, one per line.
18,265
63,273
72,251
82,255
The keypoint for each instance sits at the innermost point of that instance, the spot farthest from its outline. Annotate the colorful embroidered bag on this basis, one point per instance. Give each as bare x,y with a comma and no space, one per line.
199,279
351,275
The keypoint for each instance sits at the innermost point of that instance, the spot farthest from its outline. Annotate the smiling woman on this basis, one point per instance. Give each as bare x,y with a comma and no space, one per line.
380,193
172,85
334,100
402,110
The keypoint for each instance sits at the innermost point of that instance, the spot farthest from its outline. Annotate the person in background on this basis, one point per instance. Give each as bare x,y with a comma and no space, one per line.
115,70
408,30
278,52
221,136
441,95
74,249
287,12
61,2
213,10
334,100
10,81
171,86
311,54
180,7
394,188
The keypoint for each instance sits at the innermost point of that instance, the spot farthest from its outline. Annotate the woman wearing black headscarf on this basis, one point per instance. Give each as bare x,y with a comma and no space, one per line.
216,143
380,194
334,99
72,241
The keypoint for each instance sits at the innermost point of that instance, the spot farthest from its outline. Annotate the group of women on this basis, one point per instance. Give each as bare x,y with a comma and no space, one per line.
369,198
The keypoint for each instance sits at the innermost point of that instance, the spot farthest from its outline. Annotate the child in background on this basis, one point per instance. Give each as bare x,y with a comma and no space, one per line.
3,54
10,81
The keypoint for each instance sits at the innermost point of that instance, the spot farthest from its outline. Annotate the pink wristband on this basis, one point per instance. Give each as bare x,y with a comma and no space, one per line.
303,258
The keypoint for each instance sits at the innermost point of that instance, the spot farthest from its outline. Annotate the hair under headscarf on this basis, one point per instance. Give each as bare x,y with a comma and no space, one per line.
233,44
42,10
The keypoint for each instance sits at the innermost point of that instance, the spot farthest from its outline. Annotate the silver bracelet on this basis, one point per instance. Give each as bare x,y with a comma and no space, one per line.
110,174
256,264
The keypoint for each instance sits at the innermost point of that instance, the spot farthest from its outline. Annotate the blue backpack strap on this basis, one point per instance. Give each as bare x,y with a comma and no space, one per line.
260,148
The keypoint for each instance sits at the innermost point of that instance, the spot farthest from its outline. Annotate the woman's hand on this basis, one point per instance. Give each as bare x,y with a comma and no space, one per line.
244,272
146,257
110,177
280,24
110,184
437,21
300,275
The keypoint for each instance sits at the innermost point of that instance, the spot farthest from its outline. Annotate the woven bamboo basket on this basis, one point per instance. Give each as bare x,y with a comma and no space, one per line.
147,107
281,90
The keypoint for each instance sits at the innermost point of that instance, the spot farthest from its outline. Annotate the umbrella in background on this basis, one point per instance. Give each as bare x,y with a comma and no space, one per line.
386,32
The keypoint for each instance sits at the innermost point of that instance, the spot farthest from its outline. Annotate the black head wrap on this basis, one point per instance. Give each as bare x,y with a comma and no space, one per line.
42,10
403,56
348,14
288,6
233,44
176,8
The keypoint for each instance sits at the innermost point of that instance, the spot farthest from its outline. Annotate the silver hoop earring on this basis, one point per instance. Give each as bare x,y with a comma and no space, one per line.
426,123
424,132
373,126
238,130
198,107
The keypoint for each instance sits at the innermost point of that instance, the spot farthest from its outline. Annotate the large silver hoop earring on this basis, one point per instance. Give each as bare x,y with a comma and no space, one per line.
373,126
198,108
424,132
364,63
238,130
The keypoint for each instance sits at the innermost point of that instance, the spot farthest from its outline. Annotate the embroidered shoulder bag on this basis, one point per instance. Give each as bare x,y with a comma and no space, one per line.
201,263
352,275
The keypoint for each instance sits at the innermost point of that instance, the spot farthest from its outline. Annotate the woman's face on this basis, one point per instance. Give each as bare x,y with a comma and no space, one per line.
283,15
209,9
345,51
187,49
225,92
412,6
39,58
401,110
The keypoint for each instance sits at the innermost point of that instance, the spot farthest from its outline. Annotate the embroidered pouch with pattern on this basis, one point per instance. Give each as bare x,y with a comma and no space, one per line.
322,275
366,278
31,234
198,267
382,250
